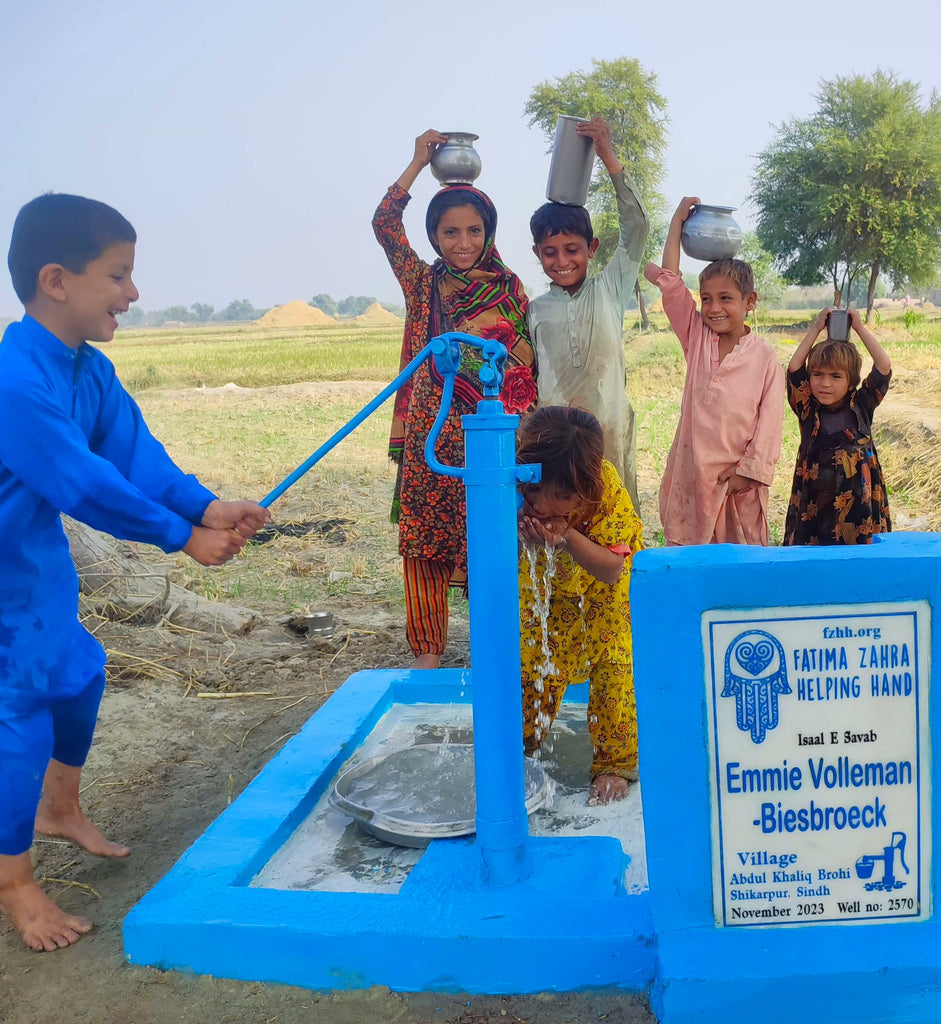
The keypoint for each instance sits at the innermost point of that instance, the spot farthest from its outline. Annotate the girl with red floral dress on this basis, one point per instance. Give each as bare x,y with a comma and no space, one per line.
469,289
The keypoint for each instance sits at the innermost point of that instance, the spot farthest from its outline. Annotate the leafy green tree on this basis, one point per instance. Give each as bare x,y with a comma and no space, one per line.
768,282
134,317
238,309
180,313
854,191
626,96
201,312
353,305
326,303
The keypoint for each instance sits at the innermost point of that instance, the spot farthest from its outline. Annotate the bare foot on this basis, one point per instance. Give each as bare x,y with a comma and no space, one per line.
42,924
60,814
427,661
74,826
606,789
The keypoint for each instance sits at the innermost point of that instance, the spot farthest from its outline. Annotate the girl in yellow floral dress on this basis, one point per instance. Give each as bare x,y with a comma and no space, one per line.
580,517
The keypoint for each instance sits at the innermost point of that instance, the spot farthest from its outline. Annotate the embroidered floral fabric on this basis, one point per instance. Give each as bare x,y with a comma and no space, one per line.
589,635
431,507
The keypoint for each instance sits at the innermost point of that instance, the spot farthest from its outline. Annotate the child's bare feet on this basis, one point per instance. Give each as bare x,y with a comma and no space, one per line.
427,661
42,924
606,789
74,826
59,813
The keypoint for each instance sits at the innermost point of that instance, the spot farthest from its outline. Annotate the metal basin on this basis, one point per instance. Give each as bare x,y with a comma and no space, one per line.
421,793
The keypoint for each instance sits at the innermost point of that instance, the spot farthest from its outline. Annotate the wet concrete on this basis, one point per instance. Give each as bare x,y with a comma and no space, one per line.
328,852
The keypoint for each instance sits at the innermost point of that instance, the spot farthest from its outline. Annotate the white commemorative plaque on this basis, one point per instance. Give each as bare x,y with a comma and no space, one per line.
820,755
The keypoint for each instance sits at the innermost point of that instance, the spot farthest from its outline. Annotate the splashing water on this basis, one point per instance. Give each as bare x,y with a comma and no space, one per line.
542,598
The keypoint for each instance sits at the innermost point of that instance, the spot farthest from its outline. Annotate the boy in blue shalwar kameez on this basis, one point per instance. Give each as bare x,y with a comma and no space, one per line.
72,441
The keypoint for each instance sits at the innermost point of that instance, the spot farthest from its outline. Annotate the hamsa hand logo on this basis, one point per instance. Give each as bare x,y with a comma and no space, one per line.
755,674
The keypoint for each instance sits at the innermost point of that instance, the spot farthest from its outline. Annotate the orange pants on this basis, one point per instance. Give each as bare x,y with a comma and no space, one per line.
426,604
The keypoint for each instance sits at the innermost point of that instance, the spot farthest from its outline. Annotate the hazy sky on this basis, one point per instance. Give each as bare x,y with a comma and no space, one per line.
249,143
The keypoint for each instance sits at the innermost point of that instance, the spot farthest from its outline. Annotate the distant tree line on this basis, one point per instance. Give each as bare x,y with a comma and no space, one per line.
242,310
198,313
352,305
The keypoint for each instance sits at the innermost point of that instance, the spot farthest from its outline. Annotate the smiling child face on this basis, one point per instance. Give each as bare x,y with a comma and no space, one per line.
98,294
565,259
724,308
461,236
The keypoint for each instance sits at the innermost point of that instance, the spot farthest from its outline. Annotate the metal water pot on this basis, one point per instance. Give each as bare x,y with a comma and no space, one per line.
709,233
573,157
838,325
456,162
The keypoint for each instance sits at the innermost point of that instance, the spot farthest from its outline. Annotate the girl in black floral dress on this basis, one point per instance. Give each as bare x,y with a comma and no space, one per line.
838,495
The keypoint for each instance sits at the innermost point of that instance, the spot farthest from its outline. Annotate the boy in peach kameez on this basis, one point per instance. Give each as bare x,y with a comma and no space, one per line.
728,440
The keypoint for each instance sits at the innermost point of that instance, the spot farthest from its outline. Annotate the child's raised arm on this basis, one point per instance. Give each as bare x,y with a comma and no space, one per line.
807,342
620,275
880,358
671,248
425,146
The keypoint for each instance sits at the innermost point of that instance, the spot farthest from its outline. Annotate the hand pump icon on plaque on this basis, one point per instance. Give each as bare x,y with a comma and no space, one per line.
891,856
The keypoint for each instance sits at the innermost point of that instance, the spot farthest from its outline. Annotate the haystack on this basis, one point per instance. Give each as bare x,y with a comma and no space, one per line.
376,316
295,314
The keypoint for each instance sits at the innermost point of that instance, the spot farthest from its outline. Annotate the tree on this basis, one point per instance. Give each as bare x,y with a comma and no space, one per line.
201,312
326,303
134,317
238,309
176,313
626,96
353,305
855,189
768,282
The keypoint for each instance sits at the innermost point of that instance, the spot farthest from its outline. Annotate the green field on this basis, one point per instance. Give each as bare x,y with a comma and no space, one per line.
250,357
294,388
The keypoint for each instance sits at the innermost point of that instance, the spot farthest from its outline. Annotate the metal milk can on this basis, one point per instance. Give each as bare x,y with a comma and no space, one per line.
573,157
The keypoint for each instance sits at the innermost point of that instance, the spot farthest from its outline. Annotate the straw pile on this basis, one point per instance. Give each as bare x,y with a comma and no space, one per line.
377,316
295,314
909,440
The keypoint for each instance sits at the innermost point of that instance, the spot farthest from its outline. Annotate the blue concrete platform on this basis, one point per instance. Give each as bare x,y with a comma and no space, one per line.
570,925
853,972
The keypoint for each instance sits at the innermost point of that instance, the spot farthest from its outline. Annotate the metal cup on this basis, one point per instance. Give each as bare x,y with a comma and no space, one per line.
838,325
319,624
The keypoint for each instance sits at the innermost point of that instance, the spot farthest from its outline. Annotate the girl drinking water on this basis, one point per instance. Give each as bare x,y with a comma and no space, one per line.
469,289
720,467
838,495
580,519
